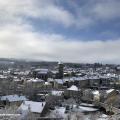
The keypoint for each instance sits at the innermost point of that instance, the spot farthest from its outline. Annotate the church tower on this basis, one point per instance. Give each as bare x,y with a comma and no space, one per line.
60,69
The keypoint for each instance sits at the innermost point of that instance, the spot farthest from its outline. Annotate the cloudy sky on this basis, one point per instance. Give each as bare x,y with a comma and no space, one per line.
61,30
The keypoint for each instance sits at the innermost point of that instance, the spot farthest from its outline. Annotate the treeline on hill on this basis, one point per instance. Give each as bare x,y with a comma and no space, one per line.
5,63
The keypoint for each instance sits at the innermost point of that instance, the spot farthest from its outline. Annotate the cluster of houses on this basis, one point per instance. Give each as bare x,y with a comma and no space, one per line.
42,93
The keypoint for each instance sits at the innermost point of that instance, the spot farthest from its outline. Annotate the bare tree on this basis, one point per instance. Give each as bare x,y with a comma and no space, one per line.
9,113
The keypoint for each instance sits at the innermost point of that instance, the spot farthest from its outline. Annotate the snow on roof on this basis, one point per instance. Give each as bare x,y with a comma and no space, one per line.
81,78
9,115
2,76
54,71
13,98
84,108
35,80
109,91
103,117
73,87
104,77
42,71
50,79
57,93
17,80
59,81
36,107
96,92
93,77
87,108
86,104
47,83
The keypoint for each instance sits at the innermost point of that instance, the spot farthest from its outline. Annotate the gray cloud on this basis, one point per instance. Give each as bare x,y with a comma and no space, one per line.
18,11
85,15
19,40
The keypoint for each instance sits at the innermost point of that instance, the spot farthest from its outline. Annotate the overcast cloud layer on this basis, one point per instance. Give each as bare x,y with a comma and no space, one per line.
29,30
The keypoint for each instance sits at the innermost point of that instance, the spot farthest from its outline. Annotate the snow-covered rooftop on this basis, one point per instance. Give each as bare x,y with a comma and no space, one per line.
96,92
50,79
87,108
59,81
3,77
35,107
35,80
87,105
73,88
42,71
13,98
47,83
82,108
109,91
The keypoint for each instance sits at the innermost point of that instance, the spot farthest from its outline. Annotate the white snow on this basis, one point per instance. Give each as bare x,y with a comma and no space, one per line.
13,98
109,91
87,108
73,88
59,81
96,92
85,104
35,80
84,109
47,83
2,76
36,107
16,115
103,117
